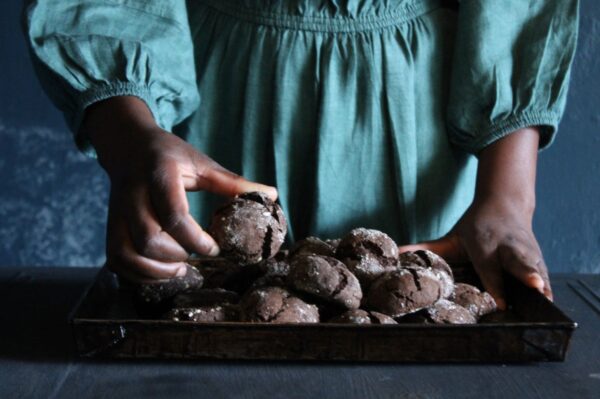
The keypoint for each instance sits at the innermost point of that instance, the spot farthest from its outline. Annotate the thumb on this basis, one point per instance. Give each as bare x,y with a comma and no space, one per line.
224,182
448,247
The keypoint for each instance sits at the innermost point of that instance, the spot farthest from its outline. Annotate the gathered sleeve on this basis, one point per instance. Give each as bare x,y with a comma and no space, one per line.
85,51
510,70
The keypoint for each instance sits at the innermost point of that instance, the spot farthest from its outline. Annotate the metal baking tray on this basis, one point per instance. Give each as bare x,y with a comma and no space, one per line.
106,325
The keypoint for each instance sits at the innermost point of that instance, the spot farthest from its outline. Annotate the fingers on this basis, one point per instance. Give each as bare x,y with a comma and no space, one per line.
123,259
489,270
148,238
521,265
448,247
221,181
483,257
169,200
547,286
527,265
543,270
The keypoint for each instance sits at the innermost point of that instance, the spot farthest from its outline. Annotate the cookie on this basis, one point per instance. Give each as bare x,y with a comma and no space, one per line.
312,246
406,290
436,263
359,316
225,274
442,312
367,253
470,297
161,290
204,297
276,305
326,278
249,228
204,314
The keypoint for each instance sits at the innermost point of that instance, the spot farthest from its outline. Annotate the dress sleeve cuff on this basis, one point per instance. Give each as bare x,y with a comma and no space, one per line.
103,92
547,122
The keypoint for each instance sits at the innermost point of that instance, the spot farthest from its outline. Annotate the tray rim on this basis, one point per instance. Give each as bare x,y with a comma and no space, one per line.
564,327
237,324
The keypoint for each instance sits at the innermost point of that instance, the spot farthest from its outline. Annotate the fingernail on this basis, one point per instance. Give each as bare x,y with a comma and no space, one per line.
182,271
537,282
208,243
271,192
214,250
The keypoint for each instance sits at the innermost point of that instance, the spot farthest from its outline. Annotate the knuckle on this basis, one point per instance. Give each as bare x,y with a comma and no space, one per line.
175,219
159,174
147,244
204,169
234,176
541,267
512,252
510,239
483,233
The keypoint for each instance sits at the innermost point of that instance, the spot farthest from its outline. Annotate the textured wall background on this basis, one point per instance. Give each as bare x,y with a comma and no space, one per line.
52,199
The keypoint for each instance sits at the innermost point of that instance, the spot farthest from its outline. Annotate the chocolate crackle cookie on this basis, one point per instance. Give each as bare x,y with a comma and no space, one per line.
223,273
359,316
161,290
204,314
326,278
367,253
436,263
477,302
274,271
441,312
204,297
312,246
249,228
406,290
276,305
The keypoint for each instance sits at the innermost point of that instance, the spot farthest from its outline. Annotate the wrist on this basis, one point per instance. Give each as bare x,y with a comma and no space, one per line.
507,169
503,202
114,119
115,127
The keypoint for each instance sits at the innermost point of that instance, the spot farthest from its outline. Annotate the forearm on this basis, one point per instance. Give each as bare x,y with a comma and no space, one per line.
507,170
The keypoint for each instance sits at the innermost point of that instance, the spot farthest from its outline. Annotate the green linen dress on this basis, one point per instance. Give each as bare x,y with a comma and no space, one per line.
361,112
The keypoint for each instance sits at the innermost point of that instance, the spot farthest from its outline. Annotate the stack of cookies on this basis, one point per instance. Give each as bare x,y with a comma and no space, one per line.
358,279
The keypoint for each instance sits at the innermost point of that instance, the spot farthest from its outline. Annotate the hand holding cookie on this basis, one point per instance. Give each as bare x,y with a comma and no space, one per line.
150,231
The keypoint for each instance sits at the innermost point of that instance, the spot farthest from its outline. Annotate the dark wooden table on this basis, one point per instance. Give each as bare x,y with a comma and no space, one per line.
37,361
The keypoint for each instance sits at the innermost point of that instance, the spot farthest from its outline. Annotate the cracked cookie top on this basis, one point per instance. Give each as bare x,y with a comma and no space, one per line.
407,290
326,278
249,228
276,305
367,253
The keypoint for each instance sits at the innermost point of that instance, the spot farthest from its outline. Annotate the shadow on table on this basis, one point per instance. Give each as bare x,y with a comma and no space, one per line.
34,311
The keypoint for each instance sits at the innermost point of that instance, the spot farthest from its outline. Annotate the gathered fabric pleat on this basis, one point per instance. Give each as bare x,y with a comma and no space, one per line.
348,125
361,112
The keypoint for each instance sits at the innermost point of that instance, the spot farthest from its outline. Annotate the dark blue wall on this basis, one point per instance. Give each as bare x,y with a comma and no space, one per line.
52,199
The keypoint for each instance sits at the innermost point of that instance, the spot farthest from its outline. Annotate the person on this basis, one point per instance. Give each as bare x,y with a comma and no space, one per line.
420,118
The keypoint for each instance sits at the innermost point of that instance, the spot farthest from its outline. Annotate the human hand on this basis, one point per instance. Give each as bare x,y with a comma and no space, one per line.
496,233
496,236
150,232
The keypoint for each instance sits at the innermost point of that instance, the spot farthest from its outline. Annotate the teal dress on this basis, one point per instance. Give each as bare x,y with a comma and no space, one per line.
361,112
